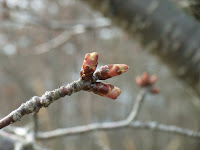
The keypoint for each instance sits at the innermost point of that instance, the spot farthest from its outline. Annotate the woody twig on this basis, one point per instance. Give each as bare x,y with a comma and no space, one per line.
87,82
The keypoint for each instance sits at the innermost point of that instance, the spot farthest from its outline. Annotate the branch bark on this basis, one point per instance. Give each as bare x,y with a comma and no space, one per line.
35,103
163,28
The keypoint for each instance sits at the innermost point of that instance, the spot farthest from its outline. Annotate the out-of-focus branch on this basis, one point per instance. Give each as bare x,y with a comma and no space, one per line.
35,20
59,40
96,126
11,136
129,122
64,37
156,126
55,24
22,137
163,28
152,125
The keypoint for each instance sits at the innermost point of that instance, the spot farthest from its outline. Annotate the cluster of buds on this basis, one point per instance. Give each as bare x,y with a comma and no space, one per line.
145,81
108,71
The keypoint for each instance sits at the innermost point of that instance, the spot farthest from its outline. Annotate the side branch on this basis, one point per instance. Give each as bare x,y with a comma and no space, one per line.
97,126
152,125
129,122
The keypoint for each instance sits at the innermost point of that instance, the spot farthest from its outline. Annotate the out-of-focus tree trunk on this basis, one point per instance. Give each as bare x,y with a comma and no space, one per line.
162,27
191,6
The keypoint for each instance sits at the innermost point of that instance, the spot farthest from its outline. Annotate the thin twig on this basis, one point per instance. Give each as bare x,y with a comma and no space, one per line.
96,126
21,137
129,122
20,131
64,37
10,136
37,21
156,126
35,103
136,107
87,82
57,41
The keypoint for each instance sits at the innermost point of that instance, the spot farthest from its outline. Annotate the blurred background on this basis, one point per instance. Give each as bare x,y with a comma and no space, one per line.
42,46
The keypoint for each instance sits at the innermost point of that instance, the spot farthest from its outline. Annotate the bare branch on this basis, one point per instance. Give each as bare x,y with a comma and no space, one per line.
136,107
156,126
58,41
35,103
152,125
87,82
97,126
12,137
64,37
129,122
22,137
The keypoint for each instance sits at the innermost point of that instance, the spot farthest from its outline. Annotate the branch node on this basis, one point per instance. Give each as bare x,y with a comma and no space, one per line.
16,115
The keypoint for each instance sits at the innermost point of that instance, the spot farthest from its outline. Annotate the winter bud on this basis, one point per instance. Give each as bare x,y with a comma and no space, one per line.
89,65
106,89
109,71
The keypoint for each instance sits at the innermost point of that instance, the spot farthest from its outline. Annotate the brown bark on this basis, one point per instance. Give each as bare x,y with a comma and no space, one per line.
162,27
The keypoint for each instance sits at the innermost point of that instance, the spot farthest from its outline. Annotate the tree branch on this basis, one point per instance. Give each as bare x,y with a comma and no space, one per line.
87,82
156,126
64,37
35,103
152,125
129,122
96,126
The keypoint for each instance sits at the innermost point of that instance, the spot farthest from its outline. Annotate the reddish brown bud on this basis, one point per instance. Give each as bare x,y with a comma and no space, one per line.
153,79
89,65
109,71
139,81
107,90
114,93
155,91
145,78
146,81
